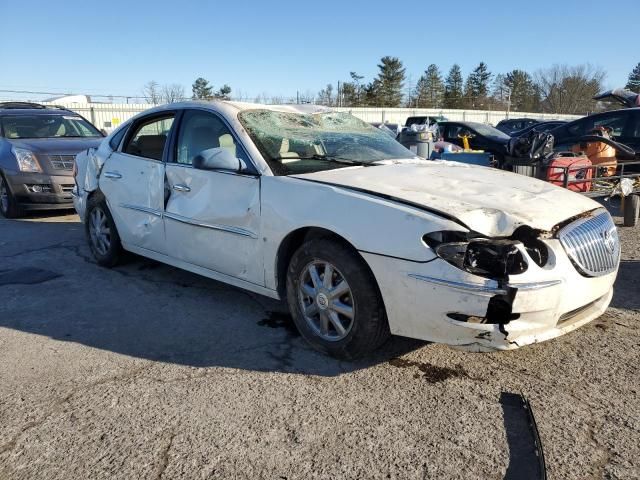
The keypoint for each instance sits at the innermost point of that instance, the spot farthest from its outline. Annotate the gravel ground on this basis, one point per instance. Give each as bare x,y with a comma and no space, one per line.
149,372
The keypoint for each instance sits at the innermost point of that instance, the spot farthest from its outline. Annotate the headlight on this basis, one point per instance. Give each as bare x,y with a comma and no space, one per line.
27,161
485,257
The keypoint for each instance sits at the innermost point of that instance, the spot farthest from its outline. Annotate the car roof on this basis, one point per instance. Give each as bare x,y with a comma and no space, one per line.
28,108
466,123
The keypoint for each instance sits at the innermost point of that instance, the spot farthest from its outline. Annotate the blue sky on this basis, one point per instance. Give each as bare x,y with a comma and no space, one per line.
278,47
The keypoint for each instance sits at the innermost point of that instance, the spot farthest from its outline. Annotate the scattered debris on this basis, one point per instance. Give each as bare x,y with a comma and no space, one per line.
526,458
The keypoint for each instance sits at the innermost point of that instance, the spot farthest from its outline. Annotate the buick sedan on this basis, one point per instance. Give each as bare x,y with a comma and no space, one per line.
359,236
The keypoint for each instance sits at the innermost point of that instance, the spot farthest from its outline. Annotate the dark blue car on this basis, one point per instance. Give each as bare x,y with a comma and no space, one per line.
38,145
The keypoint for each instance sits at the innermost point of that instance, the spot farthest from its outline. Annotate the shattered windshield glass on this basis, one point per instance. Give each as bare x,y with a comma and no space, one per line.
295,143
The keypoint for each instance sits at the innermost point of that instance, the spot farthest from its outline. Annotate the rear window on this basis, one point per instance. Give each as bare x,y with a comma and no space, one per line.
47,126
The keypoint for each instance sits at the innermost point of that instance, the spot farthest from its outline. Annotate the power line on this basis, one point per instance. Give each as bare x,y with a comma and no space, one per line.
31,92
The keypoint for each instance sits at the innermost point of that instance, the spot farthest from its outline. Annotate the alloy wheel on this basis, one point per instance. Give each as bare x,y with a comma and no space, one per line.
4,196
99,231
326,301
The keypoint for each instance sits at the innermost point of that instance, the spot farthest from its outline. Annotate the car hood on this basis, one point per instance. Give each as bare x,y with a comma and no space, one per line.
489,201
56,145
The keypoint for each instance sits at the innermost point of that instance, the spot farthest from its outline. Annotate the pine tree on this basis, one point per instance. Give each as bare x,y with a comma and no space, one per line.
201,89
352,91
453,88
634,80
387,87
429,91
477,85
224,93
524,94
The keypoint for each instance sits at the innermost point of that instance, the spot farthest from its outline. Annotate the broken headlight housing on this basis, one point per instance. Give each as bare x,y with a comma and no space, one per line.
491,258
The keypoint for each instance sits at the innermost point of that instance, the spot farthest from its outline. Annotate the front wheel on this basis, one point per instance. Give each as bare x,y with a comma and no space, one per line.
8,206
102,235
334,300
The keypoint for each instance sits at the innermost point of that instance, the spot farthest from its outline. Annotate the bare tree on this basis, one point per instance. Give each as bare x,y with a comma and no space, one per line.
569,89
172,93
325,96
151,92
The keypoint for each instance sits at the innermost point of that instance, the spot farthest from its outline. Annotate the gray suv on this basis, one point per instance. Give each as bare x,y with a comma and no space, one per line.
38,145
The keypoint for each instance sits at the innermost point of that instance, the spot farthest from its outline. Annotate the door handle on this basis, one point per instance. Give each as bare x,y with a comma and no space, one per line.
114,175
181,188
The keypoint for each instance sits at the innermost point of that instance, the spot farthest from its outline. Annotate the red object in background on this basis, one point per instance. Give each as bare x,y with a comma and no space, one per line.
577,167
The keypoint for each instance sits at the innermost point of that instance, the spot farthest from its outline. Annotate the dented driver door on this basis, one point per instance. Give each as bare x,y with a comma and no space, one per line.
212,218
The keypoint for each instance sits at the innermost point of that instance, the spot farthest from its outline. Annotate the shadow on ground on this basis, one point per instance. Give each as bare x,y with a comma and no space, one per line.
50,285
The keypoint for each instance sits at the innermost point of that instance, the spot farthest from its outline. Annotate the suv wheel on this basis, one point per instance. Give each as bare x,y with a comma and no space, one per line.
8,205
334,300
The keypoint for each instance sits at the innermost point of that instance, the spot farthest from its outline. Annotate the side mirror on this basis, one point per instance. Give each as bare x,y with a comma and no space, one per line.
218,159
104,132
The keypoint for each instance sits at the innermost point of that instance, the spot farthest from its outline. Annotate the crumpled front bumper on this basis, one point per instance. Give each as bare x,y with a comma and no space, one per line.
437,302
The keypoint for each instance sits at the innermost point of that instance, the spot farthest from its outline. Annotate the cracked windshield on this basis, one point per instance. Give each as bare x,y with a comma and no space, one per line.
294,143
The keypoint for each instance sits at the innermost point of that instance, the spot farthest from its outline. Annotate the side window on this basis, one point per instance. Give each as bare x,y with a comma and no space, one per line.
453,131
149,138
200,131
615,122
117,138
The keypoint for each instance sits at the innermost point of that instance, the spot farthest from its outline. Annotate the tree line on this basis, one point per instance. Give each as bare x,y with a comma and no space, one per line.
201,89
565,89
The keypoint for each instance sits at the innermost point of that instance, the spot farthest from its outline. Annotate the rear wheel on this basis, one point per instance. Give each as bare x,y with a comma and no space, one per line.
8,205
102,235
334,300
631,210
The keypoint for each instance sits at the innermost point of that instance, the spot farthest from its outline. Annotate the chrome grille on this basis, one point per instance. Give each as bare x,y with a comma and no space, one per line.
62,162
67,188
592,244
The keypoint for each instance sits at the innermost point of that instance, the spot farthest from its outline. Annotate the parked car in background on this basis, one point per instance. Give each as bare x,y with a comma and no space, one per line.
361,237
545,127
621,96
481,137
392,129
424,120
38,145
624,125
513,124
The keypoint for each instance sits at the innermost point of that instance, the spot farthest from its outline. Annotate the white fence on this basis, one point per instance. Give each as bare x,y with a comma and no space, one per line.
110,115
399,115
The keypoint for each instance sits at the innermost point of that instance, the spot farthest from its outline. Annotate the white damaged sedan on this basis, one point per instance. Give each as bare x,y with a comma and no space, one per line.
360,237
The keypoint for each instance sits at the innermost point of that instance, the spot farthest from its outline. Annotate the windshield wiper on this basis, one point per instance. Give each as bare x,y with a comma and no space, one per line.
328,158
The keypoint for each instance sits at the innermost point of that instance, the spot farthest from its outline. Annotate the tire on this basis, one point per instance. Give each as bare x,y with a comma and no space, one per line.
365,330
9,208
631,210
101,232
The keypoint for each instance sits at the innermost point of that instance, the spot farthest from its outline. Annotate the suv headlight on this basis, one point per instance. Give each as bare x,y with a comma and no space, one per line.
491,258
27,161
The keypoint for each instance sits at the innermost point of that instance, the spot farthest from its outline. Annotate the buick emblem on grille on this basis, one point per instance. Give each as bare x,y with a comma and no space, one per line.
609,241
